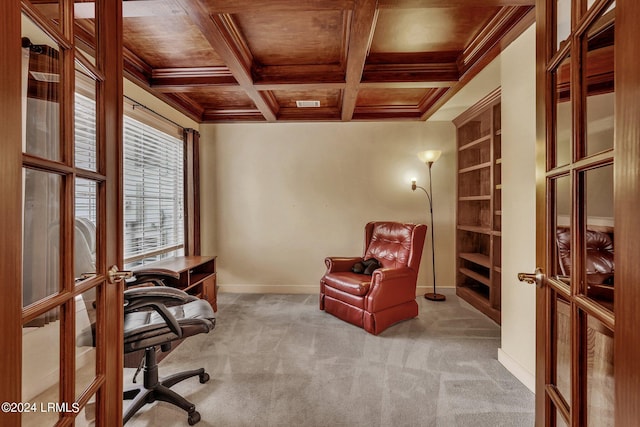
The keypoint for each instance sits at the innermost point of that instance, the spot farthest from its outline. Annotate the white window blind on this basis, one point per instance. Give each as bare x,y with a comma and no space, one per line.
85,156
153,194
153,182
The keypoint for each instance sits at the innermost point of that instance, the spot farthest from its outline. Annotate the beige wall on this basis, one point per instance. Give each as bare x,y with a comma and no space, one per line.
518,207
278,198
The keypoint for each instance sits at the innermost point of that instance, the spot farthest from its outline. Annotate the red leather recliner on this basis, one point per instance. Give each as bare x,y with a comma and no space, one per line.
375,302
599,260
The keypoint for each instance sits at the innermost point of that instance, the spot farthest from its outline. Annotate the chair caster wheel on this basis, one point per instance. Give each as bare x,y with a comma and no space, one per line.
194,418
204,378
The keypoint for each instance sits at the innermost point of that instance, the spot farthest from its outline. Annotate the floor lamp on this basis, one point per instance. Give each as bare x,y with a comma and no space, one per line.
430,157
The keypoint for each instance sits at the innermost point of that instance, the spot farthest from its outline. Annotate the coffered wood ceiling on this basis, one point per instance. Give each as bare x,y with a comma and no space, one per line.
251,60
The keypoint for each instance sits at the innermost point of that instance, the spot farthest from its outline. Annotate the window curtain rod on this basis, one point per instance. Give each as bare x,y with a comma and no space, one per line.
139,105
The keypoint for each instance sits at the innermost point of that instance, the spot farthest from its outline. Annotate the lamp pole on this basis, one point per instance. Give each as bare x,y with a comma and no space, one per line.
432,296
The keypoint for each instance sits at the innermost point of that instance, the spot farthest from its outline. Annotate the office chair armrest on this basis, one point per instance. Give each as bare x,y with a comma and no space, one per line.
157,299
165,295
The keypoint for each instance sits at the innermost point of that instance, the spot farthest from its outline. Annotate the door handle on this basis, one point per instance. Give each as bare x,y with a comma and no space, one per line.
115,275
535,278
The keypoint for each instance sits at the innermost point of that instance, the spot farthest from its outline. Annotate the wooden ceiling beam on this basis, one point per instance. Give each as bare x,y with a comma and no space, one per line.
232,115
136,66
418,4
387,112
268,6
431,98
299,77
224,36
482,60
178,78
363,23
423,84
491,34
386,73
298,85
432,67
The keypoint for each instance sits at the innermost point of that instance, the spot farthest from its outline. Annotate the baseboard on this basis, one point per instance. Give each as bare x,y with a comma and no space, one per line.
516,369
269,289
294,289
421,290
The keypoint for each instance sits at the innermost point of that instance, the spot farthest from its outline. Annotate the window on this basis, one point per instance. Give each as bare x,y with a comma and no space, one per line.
153,194
154,159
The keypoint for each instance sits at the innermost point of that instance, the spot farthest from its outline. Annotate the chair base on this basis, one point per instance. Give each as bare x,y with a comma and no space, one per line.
154,390
431,296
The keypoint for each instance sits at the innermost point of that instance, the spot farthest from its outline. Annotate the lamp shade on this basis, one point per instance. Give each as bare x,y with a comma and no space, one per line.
429,156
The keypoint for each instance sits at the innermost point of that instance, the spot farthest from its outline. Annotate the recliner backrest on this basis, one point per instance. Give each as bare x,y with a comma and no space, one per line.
599,259
394,244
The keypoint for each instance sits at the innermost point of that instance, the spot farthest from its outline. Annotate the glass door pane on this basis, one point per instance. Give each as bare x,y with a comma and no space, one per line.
563,21
41,367
41,92
599,58
563,347
600,381
41,236
561,262
85,126
599,235
562,114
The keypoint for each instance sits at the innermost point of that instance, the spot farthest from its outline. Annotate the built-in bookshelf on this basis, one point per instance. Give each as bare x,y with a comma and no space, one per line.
479,199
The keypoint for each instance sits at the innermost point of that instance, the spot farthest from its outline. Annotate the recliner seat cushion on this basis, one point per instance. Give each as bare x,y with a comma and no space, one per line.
351,283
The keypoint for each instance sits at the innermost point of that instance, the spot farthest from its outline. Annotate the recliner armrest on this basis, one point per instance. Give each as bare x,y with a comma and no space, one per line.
387,274
340,263
389,287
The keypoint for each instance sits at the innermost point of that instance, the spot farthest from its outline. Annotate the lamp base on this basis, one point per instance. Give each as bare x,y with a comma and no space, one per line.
432,296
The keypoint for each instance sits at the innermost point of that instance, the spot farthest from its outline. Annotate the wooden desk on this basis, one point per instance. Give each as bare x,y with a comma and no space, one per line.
197,277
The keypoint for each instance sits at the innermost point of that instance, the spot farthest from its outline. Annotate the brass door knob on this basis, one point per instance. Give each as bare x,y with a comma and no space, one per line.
115,275
535,278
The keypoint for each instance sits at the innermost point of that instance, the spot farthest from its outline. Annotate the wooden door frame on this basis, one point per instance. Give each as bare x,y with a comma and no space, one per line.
627,206
109,24
627,199
542,56
11,213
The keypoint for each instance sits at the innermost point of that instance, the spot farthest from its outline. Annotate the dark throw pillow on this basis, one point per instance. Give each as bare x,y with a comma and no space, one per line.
358,267
371,264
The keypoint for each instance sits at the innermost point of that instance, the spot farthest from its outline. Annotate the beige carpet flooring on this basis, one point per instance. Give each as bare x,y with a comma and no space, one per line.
276,360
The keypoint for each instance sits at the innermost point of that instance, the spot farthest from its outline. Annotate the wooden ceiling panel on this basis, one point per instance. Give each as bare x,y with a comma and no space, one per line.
251,60
429,29
164,42
288,98
381,97
221,99
294,38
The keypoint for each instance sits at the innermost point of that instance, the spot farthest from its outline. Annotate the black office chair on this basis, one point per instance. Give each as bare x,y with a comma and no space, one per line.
156,316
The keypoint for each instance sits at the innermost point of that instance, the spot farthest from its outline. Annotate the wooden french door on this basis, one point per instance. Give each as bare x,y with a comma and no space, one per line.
587,203
61,95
